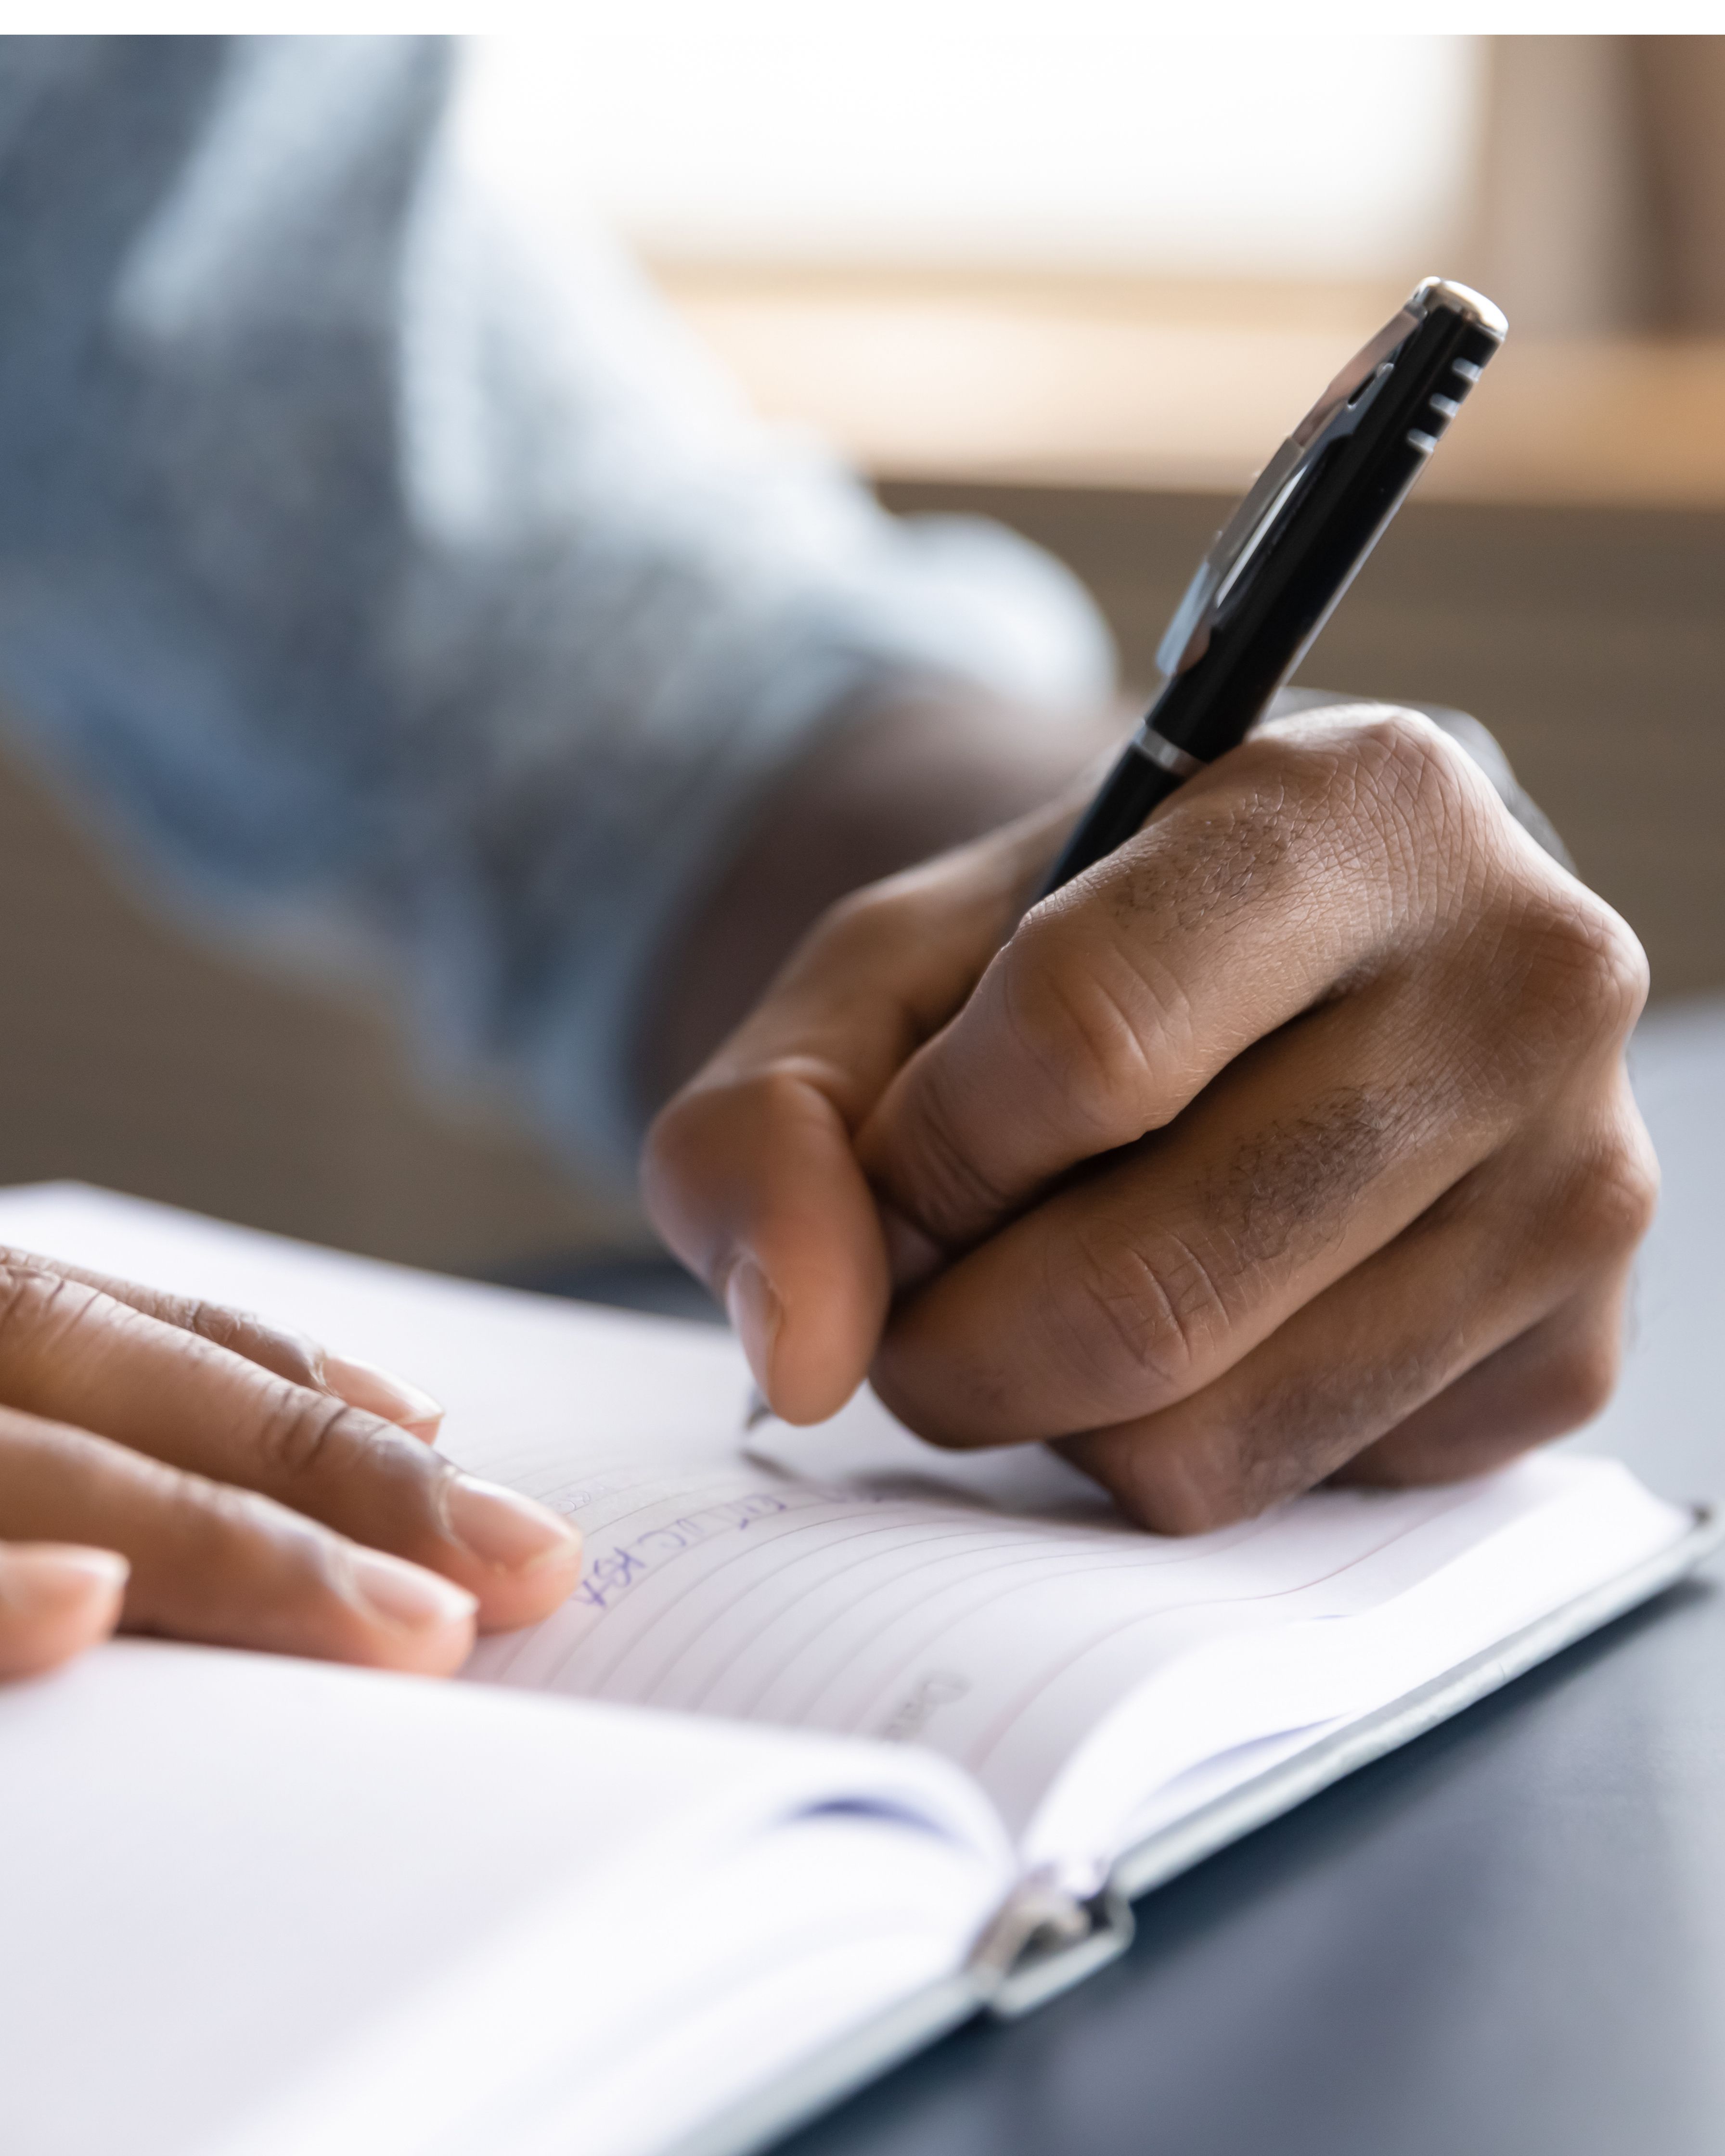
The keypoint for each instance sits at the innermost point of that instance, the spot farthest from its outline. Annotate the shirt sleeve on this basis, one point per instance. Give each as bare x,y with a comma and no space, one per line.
387,570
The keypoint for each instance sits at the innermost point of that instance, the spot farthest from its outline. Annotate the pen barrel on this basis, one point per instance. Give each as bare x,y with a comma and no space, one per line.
1321,543
1131,792
1283,578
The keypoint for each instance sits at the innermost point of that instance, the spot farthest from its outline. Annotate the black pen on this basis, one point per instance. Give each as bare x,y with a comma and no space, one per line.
1290,551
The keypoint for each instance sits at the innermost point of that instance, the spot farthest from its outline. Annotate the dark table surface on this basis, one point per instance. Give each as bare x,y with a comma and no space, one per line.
1509,1937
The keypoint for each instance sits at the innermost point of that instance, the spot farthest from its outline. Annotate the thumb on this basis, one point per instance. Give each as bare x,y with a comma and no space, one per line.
751,1172
753,1182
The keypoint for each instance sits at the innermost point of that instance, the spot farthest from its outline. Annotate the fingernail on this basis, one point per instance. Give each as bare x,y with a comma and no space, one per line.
755,1314
503,1528
407,1597
45,1576
379,1392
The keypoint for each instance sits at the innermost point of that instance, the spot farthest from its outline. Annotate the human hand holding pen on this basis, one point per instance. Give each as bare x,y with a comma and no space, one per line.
1293,1139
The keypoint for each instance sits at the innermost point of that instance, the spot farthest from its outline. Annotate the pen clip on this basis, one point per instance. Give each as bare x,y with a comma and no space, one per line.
1340,409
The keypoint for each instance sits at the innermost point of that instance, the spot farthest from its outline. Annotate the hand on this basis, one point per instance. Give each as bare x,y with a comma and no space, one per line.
1293,1141
178,1468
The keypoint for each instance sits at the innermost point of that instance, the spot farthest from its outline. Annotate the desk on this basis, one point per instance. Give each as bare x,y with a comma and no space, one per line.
1505,1940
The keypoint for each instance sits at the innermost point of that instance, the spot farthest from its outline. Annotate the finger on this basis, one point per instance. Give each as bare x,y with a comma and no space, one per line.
289,1354
756,1189
1261,886
71,1353
1144,1282
1556,1375
1494,1263
56,1599
751,1172
380,1393
224,1566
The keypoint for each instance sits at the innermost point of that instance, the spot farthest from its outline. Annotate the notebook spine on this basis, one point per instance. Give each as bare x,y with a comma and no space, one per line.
1042,1941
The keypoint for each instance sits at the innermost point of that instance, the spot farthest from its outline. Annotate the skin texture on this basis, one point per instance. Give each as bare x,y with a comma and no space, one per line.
174,1467
177,1468
1292,1142
888,785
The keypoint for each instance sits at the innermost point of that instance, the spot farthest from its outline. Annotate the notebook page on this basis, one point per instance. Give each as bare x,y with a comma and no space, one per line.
1013,1640
526,1369
989,1606
263,1907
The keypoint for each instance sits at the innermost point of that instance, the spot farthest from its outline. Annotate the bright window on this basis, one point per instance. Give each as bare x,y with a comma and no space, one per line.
1031,135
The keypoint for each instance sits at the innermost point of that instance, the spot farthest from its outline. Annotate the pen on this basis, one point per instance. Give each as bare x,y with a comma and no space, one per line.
1290,551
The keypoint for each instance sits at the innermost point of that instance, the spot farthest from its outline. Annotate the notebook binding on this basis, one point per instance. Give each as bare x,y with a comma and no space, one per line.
1043,1940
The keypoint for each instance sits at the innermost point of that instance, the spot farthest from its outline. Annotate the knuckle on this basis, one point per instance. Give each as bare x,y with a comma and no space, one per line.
770,1108
1402,750
870,926
1407,782
37,1302
1596,953
1137,1320
230,1545
720,1149
934,1178
1178,1488
1400,756
289,1355
210,1517
1379,758
1579,1382
1612,1196
674,1137
206,1523
1573,974
1163,1497
299,1430
691,1151
872,913
1082,1028
1374,790
775,1098
694,1136
215,1323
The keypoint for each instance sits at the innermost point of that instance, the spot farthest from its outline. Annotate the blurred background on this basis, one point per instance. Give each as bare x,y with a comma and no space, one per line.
1042,261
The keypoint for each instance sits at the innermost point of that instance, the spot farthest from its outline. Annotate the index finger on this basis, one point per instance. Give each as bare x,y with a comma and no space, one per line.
1260,887
72,1355
290,1355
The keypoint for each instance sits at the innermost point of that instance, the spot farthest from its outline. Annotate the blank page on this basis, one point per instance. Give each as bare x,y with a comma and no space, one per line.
262,1907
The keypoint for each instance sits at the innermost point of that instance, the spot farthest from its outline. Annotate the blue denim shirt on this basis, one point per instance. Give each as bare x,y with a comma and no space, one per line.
387,572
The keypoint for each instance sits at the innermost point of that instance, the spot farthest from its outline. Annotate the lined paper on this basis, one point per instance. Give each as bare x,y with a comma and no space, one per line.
1011,1641
989,1607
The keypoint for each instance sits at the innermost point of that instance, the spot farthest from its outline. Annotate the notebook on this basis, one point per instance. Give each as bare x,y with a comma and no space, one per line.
839,1741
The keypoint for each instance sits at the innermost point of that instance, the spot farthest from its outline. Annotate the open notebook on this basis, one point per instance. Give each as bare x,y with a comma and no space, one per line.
839,1740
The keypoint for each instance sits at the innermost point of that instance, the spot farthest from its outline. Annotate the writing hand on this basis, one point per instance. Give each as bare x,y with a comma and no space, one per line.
1293,1140
178,1468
